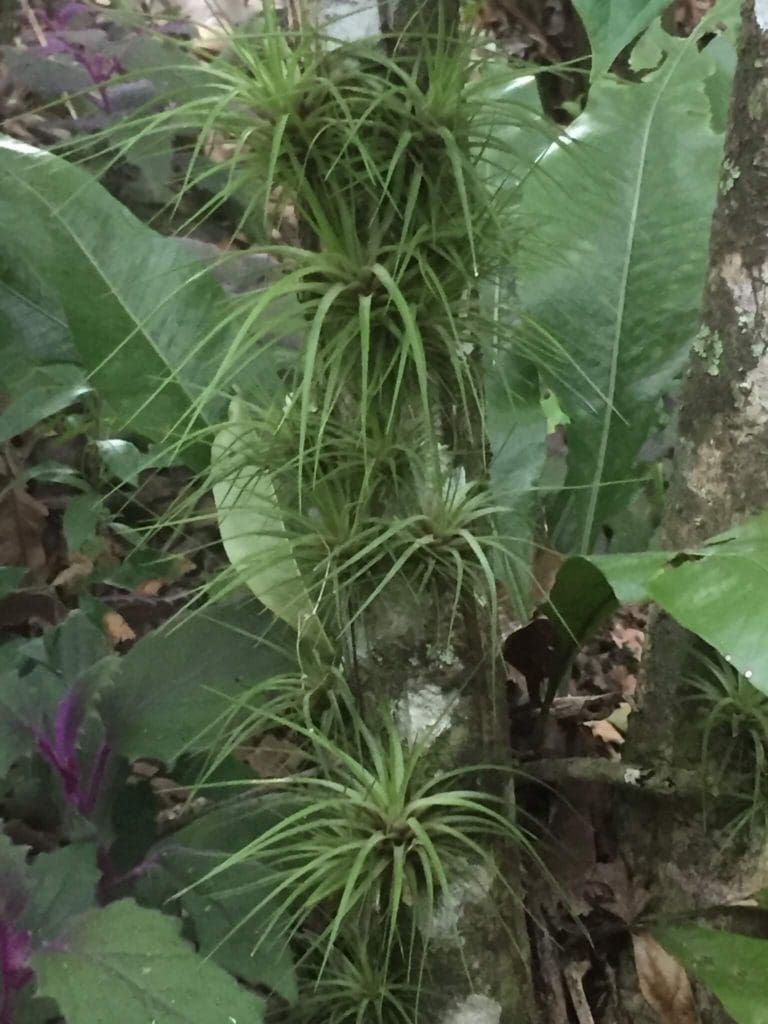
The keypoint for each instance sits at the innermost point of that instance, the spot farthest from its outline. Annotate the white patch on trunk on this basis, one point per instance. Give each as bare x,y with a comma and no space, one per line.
740,285
761,14
471,889
424,710
755,387
349,20
474,1010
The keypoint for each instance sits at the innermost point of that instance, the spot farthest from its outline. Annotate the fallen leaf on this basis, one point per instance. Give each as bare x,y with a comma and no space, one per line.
629,638
80,568
22,524
663,982
150,587
117,629
606,731
629,686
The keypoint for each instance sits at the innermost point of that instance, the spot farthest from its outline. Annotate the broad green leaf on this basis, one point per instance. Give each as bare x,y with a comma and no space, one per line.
718,591
11,577
613,24
39,401
174,682
82,516
23,701
62,884
139,310
29,1010
123,962
721,593
251,526
616,277
630,575
217,908
122,459
35,343
734,967
518,129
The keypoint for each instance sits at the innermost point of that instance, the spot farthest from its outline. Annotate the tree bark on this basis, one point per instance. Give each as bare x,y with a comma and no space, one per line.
719,478
436,666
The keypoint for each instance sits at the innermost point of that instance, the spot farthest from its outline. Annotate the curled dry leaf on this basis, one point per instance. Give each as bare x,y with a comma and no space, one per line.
606,731
80,568
117,629
663,982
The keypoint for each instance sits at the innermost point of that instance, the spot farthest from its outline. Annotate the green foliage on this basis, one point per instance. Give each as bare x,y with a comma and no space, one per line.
213,910
374,842
173,686
124,962
716,591
251,526
613,24
616,278
131,298
732,966
734,737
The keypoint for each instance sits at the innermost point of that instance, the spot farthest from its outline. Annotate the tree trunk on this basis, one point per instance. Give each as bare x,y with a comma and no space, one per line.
435,663
719,478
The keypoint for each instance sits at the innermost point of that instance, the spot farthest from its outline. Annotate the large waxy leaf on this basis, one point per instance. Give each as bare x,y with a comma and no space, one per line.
613,24
252,527
138,308
618,266
176,681
722,594
33,326
718,591
734,967
216,909
125,963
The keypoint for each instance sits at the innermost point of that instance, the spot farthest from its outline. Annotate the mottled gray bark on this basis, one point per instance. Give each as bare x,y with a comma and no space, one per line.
446,686
720,477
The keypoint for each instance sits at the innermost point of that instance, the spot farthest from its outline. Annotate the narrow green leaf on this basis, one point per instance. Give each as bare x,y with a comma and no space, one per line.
125,963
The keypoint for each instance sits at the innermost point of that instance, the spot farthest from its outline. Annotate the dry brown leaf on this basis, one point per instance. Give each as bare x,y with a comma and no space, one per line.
150,588
629,686
22,523
611,887
629,638
546,565
663,982
605,731
117,629
80,568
